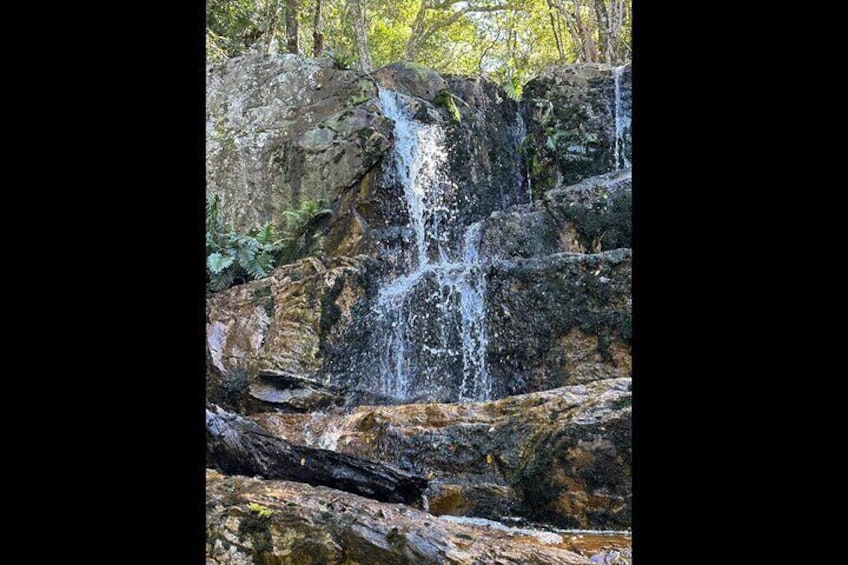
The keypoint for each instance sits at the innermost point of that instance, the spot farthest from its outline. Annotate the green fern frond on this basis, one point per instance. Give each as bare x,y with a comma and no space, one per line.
265,262
254,266
266,234
217,262
222,280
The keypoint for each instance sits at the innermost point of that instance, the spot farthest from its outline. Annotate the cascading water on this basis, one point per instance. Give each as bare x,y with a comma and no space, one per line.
430,320
622,121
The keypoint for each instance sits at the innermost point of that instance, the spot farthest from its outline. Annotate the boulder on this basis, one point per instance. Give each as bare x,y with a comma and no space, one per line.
591,216
411,79
283,129
252,521
282,324
485,459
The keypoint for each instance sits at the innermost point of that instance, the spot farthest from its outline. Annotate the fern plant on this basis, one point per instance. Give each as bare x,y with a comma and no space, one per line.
297,220
232,258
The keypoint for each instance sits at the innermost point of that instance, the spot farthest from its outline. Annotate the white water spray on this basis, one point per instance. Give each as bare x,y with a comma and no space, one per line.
622,121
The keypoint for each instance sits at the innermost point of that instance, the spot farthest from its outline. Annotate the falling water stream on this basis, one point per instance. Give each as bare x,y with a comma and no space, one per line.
431,319
622,121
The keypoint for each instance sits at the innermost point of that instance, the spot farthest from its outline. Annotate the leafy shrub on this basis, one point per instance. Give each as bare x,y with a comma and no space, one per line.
513,87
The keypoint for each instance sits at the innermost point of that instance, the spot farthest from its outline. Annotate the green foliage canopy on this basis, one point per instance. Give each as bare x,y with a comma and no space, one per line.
508,41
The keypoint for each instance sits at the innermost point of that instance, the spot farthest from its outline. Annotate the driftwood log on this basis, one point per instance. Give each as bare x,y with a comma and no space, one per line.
238,446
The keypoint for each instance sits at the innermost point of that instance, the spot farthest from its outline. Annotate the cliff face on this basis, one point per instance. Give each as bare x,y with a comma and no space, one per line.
476,249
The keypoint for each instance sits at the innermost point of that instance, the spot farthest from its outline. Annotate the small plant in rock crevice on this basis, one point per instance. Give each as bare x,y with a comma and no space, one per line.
233,258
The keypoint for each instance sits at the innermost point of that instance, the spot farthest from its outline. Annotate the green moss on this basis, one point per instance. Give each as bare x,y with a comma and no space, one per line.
444,99
261,511
255,527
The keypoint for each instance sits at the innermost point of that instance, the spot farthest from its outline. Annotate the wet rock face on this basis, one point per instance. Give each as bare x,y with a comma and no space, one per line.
558,320
483,134
485,458
570,112
485,147
282,129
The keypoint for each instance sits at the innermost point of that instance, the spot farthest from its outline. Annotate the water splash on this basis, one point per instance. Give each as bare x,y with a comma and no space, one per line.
622,121
430,320
476,384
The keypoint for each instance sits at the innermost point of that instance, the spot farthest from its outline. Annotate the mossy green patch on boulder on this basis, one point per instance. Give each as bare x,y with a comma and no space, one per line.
444,99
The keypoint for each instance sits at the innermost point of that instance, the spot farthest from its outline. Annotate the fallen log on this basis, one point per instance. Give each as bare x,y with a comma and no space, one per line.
238,446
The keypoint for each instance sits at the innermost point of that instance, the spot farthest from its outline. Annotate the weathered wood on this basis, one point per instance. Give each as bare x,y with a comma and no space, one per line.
238,446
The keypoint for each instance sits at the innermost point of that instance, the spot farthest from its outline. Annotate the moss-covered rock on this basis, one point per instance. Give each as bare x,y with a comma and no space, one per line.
444,99
571,116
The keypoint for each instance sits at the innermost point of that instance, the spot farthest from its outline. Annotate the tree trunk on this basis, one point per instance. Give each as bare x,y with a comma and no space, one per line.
238,446
412,46
605,32
557,35
291,26
590,54
573,28
360,35
271,28
318,32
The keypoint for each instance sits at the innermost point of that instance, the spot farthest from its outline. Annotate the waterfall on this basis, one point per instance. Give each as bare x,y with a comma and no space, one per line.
417,161
622,121
430,320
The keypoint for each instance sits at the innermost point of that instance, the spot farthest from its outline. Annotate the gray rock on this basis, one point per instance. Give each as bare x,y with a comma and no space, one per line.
282,129
411,79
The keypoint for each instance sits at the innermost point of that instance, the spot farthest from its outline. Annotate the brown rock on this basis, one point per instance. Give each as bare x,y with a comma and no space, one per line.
254,521
282,323
485,457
